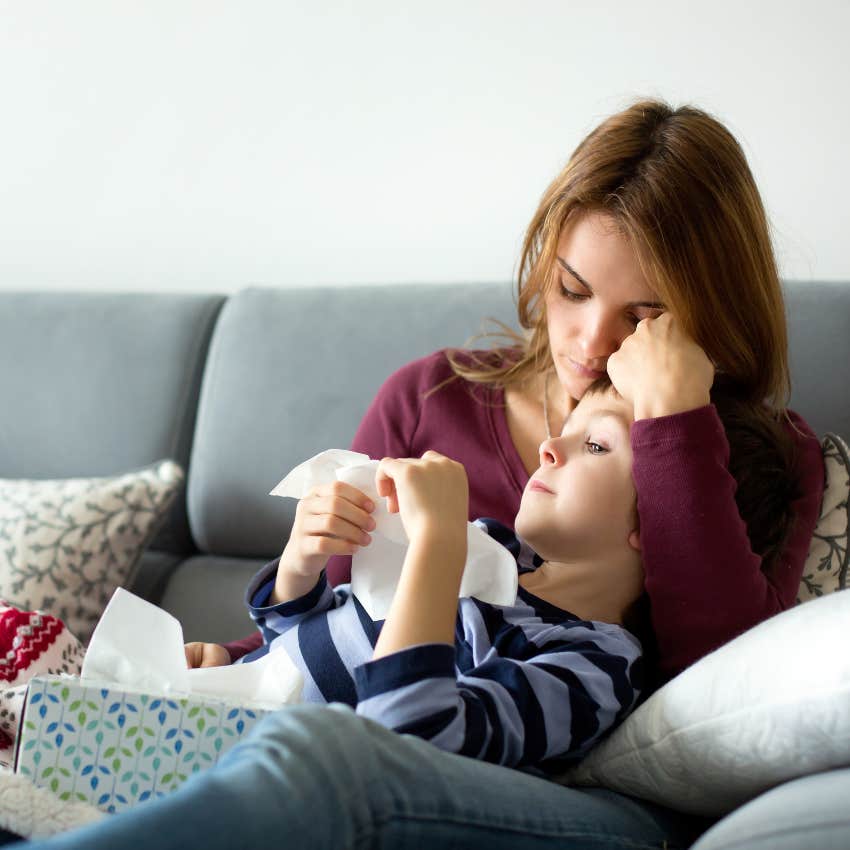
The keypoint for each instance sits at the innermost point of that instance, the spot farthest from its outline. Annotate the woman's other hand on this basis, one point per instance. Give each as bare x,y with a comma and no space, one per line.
206,655
431,494
661,370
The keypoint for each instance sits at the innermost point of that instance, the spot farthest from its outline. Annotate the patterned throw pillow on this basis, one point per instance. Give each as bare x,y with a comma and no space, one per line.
66,545
827,563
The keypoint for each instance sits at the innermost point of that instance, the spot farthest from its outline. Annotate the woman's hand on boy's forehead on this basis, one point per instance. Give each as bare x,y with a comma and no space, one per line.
661,370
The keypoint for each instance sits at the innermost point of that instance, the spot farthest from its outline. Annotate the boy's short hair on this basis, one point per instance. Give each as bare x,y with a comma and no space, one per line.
601,385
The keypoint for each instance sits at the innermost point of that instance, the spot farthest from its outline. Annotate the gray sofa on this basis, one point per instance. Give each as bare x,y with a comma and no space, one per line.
240,389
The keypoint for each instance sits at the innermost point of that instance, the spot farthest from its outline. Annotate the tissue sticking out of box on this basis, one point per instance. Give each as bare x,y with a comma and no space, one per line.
490,573
140,647
135,643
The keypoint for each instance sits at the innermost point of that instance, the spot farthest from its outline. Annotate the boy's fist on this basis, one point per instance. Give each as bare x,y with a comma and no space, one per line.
431,493
332,519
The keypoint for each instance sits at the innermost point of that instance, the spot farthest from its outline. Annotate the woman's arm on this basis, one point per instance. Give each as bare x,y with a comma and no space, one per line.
705,583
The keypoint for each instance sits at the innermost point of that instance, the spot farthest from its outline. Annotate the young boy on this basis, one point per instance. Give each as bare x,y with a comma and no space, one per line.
533,683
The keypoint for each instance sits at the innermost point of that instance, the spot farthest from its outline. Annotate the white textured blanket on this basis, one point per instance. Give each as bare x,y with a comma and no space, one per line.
35,812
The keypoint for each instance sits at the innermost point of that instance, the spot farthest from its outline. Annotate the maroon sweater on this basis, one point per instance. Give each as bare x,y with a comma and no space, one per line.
704,582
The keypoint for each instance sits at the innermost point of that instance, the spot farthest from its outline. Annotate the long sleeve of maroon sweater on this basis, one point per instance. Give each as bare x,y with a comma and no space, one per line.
705,583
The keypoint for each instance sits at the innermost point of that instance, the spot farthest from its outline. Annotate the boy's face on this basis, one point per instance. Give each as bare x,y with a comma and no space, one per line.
580,503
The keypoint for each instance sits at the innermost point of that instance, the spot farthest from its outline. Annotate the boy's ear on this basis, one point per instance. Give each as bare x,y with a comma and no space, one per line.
634,540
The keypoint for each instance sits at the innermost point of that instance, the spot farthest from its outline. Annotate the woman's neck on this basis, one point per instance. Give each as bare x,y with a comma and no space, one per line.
526,422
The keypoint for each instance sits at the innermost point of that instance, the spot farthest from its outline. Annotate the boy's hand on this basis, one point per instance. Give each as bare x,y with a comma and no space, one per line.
431,494
661,370
333,519
206,655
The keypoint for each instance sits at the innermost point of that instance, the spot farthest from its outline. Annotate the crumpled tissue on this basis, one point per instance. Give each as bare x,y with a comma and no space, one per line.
490,573
140,647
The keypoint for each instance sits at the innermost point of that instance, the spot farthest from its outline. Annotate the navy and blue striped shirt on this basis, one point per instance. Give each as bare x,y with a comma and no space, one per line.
524,684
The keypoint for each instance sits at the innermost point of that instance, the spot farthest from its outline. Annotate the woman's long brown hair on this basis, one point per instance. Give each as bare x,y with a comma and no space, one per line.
677,185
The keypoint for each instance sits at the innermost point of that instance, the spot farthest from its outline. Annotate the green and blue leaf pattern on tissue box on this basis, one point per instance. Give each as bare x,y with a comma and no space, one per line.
115,748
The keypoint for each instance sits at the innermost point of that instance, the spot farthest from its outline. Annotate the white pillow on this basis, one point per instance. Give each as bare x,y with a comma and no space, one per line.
769,706
827,563
65,545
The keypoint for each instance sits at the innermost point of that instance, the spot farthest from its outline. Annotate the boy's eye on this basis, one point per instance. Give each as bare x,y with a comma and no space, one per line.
595,448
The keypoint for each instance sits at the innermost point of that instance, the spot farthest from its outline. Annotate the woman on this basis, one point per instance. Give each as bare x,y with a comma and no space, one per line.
656,216
649,257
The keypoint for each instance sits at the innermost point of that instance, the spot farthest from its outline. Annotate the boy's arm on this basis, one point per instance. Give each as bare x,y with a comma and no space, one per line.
431,494
331,519
424,607
274,618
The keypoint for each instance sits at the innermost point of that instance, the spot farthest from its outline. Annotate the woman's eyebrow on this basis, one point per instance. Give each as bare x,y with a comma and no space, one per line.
650,305
574,273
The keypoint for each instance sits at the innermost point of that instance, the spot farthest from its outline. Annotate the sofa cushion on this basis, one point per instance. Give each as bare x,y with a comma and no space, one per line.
767,707
290,373
810,812
206,593
98,383
65,545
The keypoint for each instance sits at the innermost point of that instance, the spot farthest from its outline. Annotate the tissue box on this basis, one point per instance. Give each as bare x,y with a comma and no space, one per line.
114,748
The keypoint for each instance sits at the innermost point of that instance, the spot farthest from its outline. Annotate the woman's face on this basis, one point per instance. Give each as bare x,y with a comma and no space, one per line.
597,297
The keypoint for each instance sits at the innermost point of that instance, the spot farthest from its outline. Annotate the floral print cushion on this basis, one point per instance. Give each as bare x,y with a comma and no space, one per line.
826,566
65,545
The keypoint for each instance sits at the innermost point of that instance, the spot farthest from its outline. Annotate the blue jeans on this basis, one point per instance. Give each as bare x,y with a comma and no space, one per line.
321,777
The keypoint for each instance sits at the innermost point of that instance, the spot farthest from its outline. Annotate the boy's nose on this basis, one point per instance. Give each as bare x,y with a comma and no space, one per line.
551,453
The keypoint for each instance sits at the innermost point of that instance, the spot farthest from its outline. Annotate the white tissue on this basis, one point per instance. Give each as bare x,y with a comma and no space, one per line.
490,573
140,647
135,643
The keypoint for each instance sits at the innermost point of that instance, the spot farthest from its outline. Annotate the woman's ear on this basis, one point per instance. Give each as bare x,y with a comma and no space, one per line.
634,540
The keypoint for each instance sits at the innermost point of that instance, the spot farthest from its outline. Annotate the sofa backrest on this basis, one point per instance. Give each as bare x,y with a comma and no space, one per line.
100,384
819,348
292,371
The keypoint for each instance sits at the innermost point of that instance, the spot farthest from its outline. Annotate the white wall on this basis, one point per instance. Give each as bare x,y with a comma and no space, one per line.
198,145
